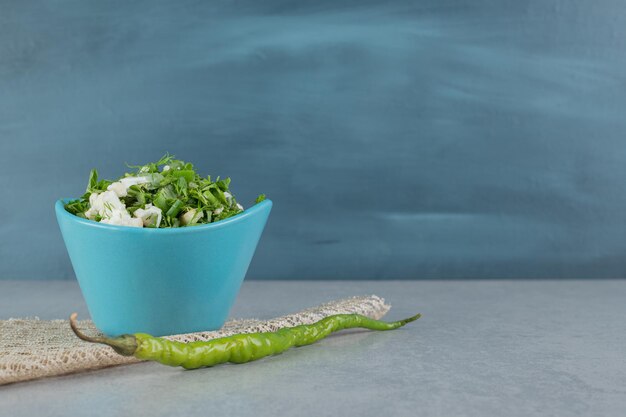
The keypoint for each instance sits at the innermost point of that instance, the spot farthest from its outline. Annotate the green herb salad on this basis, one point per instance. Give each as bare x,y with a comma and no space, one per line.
166,193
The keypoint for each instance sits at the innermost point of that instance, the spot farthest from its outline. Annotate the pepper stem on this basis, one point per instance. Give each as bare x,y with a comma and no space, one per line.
124,345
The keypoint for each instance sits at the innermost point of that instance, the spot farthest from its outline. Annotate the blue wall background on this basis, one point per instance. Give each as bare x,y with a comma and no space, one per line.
413,139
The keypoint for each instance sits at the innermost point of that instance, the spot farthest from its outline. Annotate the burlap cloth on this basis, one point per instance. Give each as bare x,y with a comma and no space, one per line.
33,348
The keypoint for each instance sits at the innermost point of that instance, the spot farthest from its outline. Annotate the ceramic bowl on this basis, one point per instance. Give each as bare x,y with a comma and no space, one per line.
161,281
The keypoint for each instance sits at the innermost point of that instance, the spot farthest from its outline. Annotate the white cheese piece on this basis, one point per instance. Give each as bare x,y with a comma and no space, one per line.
121,187
165,168
122,218
108,206
218,210
128,181
118,188
191,216
103,204
150,216
239,206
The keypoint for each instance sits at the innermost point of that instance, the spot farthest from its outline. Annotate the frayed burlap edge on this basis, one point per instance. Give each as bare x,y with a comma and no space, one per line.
33,348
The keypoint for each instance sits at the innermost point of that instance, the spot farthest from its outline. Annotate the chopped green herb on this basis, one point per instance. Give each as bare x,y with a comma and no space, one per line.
169,190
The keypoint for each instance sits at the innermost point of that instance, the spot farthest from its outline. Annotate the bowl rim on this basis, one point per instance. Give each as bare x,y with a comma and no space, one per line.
249,212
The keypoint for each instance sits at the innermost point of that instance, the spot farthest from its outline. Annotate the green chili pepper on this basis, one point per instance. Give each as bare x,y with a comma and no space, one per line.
238,348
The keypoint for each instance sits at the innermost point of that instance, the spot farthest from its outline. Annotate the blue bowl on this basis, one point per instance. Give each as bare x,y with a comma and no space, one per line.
161,281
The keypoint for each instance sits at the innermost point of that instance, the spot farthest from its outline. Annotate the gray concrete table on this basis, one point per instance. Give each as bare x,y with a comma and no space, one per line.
483,348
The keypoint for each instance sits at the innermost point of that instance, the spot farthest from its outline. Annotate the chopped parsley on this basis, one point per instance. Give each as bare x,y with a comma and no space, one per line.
165,193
